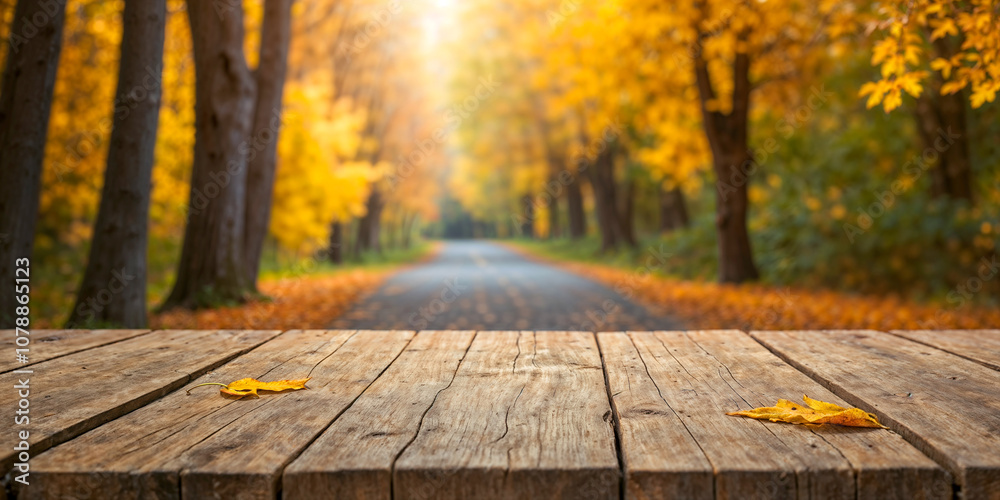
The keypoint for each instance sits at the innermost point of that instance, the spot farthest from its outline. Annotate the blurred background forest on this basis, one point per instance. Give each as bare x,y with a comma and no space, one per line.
849,146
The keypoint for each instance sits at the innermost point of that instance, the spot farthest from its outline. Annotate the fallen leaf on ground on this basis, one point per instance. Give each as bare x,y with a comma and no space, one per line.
247,386
814,412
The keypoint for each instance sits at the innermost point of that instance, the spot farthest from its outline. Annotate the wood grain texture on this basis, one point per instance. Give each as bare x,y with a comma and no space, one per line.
981,346
51,344
700,376
353,459
204,445
527,416
78,392
947,406
660,456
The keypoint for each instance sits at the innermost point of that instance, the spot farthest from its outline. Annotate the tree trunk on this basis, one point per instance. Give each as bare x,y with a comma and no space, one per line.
270,80
113,291
735,255
733,165
336,250
25,102
673,210
376,230
528,221
390,234
574,201
368,226
942,126
362,238
408,231
626,215
211,268
602,183
554,212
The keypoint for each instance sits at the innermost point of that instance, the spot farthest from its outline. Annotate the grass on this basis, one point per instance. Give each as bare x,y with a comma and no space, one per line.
661,257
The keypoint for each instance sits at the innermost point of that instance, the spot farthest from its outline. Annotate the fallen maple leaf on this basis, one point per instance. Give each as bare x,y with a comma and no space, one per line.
247,386
814,412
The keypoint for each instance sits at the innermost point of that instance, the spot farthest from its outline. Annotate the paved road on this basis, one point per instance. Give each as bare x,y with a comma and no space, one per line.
478,285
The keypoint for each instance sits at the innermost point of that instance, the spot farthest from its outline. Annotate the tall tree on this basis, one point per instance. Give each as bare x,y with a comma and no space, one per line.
270,79
673,209
25,101
369,225
335,251
614,208
113,290
727,138
574,207
211,267
527,227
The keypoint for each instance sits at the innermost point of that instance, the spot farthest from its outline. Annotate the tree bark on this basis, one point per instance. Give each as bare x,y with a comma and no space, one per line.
733,164
25,102
336,250
113,291
211,268
262,161
574,202
673,210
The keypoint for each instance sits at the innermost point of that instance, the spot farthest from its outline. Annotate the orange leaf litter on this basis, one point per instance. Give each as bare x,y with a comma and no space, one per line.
307,302
707,305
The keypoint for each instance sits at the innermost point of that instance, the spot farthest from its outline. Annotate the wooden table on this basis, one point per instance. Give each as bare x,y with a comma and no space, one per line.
482,415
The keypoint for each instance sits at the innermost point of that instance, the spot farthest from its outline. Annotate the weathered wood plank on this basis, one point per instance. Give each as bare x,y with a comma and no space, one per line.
981,346
354,456
660,456
701,375
75,393
527,416
204,445
51,344
947,406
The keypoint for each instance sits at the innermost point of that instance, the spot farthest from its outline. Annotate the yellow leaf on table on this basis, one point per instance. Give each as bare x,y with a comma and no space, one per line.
247,386
814,412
